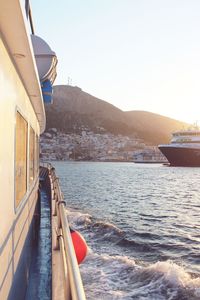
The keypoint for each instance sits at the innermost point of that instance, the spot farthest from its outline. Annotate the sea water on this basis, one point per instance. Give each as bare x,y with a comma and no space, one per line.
142,225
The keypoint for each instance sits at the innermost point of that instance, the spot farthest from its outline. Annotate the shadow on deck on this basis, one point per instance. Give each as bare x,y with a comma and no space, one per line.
40,280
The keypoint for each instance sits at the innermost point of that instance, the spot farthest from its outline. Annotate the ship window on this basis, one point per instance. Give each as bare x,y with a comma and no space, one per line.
20,158
31,155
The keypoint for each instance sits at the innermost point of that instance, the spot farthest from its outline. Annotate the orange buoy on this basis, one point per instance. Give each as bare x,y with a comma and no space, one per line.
80,246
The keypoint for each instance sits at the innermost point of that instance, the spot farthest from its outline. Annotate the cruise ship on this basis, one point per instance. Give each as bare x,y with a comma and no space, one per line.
184,149
38,259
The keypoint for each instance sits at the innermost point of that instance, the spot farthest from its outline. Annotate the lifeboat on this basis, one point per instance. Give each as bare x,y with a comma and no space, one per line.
46,62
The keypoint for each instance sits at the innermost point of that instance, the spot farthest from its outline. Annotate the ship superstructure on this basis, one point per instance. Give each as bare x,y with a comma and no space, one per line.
184,149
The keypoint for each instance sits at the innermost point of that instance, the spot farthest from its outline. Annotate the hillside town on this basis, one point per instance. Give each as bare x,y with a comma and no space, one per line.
90,146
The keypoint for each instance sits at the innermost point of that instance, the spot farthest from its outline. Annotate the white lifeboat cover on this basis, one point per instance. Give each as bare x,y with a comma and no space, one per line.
45,58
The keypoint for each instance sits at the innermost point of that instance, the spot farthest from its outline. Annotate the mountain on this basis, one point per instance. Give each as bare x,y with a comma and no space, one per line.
153,127
74,110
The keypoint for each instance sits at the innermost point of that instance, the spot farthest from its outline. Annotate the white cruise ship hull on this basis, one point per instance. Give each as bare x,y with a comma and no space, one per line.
182,155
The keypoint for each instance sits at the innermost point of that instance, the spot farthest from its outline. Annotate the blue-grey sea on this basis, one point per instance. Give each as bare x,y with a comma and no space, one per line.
142,226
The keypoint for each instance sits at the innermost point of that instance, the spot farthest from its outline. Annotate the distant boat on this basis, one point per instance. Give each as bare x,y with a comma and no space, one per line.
149,155
184,149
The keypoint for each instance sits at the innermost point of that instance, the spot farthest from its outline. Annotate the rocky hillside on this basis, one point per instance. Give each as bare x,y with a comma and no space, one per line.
153,127
74,110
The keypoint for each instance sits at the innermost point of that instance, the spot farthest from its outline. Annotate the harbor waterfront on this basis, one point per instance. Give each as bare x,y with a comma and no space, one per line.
141,222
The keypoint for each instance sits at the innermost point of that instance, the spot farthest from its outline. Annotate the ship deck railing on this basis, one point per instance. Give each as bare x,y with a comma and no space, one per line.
72,282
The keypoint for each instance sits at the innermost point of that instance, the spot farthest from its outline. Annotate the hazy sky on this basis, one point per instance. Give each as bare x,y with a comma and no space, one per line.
135,54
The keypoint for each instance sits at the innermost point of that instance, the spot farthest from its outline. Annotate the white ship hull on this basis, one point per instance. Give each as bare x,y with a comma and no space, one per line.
28,270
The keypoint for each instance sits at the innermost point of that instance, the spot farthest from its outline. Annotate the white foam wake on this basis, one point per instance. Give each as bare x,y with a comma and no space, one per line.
176,275
119,277
77,218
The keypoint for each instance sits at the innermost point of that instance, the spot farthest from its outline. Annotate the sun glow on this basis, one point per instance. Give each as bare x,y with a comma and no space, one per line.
138,55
